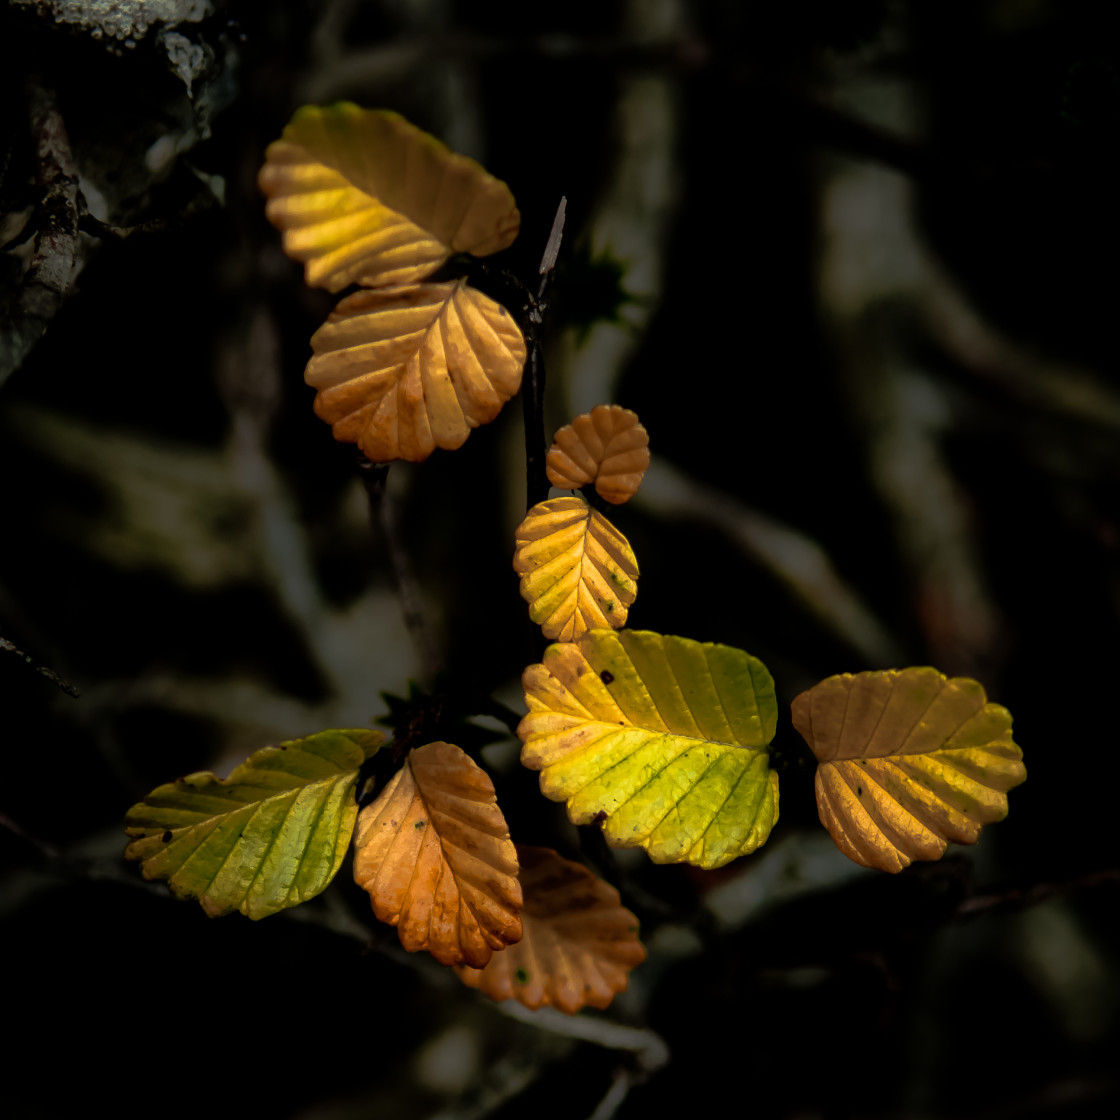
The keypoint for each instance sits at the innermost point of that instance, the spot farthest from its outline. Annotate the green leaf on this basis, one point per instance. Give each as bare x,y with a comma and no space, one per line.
270,836
661,739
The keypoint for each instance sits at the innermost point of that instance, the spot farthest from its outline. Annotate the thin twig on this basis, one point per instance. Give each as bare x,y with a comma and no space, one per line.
1019,898
647,1046
532,392
382,521
94,226
614,1096
50,674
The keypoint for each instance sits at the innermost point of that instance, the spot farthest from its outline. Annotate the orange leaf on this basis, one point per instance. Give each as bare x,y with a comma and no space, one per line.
577,570
402,371
434,853
362,196
578,944
606,446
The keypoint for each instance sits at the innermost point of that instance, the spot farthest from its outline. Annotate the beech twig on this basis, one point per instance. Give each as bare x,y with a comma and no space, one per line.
532,389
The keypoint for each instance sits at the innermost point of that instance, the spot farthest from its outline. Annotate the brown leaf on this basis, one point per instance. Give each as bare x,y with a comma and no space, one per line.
606,446
434,853
578,943
909,761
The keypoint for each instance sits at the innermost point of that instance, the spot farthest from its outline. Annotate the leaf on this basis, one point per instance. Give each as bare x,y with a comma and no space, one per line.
577,570
606,446
434,853
362,196
663,735
270,836
578,943
402,371
908,760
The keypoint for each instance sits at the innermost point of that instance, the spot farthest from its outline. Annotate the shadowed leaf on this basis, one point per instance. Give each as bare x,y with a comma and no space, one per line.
578,943
606,446
270,836
402,371
578,572
663,735
908,761
434,853
362,196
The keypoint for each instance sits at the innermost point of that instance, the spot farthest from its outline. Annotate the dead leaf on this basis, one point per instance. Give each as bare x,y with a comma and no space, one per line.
578,943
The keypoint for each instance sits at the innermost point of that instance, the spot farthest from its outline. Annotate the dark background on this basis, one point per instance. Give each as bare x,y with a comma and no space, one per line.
869,251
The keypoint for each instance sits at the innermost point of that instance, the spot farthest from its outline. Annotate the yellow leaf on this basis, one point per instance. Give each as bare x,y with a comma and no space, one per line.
362,196
578,943
578,572
402,371
434,853
660,739
908,761
606,446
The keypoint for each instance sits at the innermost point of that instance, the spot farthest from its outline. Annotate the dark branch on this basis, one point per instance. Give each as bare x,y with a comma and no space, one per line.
532,390
48,274
374,477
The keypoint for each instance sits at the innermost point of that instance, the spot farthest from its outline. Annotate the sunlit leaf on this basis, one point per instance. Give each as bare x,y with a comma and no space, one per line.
661,739
364,197
578,572
434,853
578,943
402,371
606,446
271,835
908,760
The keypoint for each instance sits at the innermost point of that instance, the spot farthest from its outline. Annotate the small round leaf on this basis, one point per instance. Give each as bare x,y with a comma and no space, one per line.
606,446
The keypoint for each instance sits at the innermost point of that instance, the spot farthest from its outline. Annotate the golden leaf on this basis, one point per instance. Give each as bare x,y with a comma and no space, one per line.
908,761
434,853
402,371
577,570
578,943
606,446
362,196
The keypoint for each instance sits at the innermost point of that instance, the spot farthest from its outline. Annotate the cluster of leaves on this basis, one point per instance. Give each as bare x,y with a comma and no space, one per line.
661,741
